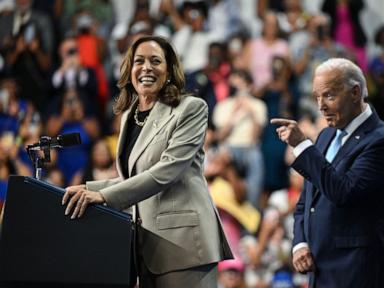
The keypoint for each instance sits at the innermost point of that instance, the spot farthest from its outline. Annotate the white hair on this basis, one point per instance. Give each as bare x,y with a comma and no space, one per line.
350,72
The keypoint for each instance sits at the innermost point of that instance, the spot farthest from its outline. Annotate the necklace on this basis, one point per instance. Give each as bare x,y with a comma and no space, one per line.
135,116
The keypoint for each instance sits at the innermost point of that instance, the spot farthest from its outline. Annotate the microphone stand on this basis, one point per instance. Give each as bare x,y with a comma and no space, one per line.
37,159
45,144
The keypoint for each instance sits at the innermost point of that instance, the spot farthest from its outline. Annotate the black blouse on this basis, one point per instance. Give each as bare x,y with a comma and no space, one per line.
133,132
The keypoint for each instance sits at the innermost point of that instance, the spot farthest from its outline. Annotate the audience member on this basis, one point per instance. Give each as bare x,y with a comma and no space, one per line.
72,118
191,39
112,135
224,27
55,177
228,192
267,253
218,70
11,108
149,13
293,18
231,274
211,83
123,11
259,52
281,97
240,120
101,165
101,11
10,162
319,48
72,75
236,45
27,39
199,83
249,17
346,28
92,51
117,48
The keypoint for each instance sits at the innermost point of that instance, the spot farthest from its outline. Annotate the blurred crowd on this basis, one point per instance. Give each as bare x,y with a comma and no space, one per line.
251,60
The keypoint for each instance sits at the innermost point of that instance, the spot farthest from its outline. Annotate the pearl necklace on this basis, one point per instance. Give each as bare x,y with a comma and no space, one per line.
135,116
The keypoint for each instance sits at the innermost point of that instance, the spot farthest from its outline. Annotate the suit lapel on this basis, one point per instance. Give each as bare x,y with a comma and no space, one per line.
357,136
159,116
322,144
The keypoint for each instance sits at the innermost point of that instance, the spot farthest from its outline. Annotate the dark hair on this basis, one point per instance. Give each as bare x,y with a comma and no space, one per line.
220,45
198,5
172,91
243,74
279,32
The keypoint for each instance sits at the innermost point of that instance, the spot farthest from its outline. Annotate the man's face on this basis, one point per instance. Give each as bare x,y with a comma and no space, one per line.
338,103
215,57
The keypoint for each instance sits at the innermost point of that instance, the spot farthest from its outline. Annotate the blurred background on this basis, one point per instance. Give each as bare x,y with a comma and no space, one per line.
250,60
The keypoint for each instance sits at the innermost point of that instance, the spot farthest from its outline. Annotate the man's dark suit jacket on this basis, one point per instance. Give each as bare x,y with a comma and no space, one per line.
341,209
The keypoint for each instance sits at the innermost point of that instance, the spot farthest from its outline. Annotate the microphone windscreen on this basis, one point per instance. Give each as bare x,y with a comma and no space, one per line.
69,139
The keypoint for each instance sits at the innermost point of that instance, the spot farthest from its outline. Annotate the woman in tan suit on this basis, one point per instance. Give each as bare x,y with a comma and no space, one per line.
160,163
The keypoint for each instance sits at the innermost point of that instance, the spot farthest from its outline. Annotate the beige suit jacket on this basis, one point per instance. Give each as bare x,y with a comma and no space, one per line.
180,223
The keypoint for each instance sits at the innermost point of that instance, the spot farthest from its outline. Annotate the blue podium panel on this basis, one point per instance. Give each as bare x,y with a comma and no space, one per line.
41,247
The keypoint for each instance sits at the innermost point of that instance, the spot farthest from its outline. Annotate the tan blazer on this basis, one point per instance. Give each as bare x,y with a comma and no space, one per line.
181,225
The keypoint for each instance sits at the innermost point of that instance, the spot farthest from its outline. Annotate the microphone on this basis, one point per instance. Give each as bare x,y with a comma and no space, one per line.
60,141
45,144
66,140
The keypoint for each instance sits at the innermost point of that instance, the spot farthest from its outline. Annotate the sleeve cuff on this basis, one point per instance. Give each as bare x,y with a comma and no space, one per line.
57,79
301,147
299,246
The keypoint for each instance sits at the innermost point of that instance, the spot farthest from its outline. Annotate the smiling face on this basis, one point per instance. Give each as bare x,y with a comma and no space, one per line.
149,69
338,103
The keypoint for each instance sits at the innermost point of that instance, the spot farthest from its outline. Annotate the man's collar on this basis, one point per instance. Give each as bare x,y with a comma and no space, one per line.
357,121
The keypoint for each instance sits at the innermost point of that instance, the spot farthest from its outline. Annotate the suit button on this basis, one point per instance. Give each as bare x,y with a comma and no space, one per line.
312,210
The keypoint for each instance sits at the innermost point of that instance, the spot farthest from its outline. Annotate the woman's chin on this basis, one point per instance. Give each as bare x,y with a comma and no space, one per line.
148,95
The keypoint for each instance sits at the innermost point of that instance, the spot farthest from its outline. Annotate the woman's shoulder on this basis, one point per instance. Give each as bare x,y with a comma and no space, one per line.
191,99
191,103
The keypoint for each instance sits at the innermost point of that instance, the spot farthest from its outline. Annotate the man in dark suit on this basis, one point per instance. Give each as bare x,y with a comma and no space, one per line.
338,230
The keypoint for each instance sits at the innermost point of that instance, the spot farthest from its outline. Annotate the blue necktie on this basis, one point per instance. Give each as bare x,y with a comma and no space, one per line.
335,145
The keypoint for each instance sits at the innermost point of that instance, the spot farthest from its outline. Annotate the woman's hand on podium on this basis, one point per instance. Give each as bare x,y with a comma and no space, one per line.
78,199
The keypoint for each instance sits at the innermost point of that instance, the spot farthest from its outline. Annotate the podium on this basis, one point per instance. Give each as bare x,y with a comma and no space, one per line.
41,247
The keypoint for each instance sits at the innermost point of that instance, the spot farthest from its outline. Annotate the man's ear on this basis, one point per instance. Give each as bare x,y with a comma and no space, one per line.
356,94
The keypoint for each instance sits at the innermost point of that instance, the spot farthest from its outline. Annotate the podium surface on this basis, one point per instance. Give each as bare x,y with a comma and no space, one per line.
41,247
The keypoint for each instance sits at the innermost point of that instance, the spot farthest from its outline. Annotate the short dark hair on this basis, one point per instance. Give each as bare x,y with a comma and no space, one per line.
243,74
198,5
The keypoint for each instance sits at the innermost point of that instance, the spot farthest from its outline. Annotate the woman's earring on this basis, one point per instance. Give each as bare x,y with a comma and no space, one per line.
168,81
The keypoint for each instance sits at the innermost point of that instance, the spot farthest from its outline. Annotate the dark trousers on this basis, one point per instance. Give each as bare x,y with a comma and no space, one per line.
195,277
